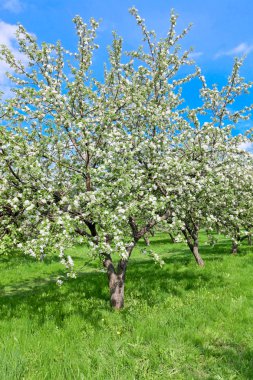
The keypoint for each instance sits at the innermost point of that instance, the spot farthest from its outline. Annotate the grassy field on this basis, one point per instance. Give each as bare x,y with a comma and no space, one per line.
179,321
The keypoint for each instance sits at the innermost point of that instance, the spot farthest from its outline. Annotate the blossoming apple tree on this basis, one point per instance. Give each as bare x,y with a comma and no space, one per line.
101,162
73,153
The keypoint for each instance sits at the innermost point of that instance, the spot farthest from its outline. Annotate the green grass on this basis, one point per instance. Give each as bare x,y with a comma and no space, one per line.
179,321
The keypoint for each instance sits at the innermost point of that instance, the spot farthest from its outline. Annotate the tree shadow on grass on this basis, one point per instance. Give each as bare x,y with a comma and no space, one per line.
154,241
221,246
207,251
88,295
223,250
43,299
233,355
218,251
15,259
153,284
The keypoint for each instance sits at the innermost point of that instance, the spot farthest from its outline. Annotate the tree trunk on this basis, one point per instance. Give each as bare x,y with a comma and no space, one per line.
116,282
234,250
193,243
116,285
237,238
195,251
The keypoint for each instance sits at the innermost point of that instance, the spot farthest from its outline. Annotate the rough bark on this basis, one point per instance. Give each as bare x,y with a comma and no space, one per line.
116,280
116,285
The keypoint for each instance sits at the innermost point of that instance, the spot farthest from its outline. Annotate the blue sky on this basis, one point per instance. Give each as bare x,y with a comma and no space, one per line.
221,29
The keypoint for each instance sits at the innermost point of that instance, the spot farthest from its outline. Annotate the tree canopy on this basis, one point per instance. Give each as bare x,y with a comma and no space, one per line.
107,162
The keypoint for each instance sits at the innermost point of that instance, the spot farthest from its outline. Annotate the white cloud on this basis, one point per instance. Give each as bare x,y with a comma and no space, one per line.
14,6
240,49
195,54
8,38
248,146
7,33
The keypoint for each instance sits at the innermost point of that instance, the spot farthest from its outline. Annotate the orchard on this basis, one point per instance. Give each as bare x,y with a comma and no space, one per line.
106,163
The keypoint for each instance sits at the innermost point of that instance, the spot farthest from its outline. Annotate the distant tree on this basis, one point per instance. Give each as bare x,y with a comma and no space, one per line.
219,172
189,155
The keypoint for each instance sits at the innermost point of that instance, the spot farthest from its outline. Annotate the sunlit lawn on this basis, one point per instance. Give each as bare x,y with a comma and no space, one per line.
179,321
